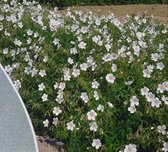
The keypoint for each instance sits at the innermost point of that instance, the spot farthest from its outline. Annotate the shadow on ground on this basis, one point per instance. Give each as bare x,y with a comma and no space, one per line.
46,144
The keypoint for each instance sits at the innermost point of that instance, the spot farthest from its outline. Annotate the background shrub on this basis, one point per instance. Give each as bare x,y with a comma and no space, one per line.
65,3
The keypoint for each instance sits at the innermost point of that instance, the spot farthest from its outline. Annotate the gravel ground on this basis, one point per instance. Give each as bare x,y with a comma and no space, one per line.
159,12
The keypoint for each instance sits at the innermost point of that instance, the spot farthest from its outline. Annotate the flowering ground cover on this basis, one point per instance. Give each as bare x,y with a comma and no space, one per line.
93,82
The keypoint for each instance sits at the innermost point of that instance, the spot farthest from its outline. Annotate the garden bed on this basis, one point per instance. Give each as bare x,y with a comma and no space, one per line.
77,70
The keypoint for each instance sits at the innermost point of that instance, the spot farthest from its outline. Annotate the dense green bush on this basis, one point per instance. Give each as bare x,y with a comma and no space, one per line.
65,3
90,81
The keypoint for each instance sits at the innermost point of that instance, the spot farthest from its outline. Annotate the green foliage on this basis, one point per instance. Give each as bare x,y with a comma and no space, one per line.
117,127
65,3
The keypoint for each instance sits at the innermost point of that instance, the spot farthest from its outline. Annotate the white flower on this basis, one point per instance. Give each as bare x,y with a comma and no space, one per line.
34,72
70,61
45,59
130,148
73,51
107,57
134,101
165,147
41,87
108,46
36,34
44,97
144,91
59,97
132,109
56,85
100,108
62,86
147,73
110,105
82,45
97,22
27,57
17,42
1,17
100,43
17,84
8,34
161,88
165,99
164,31
29,32
20,24
150,97
162,129
5,51
56,41
139,35
57,111
8,69
45,123
91,115
128,83
55,121
143,44
75,72
83,66
155,57
114,67
93,126
165,85
70,126
96,39
96,95
29,40
90,61
67,75
160,66
84,97
155,103
95,84
150,67
30,63
136,49
42,73
96,143
110,78
79,37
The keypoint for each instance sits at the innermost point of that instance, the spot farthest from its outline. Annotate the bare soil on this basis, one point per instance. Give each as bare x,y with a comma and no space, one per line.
46,144
159,12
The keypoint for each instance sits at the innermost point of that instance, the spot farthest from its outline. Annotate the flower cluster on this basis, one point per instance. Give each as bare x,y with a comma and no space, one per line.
91,78
134,102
